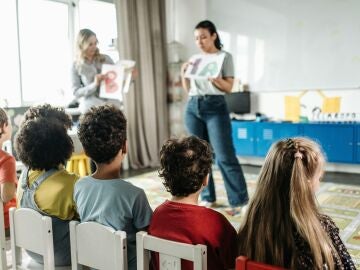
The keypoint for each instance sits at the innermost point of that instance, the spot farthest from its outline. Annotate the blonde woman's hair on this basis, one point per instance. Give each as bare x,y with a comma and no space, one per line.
82,44
284,203
4,120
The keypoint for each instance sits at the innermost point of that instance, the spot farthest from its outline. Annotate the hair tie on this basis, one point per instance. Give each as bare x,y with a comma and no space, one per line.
298,155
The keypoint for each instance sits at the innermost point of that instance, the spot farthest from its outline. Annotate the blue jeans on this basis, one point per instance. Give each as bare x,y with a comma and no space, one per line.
207,117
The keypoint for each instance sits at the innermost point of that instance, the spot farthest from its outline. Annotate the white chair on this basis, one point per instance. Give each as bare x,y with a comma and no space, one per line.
170,253
97,246
32,231
3,262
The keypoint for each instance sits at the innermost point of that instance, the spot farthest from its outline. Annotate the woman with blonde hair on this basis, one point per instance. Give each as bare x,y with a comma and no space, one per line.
284,226
86,71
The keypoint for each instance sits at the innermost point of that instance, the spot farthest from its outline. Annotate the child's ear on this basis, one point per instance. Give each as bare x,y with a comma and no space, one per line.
2,129
125,148
206,180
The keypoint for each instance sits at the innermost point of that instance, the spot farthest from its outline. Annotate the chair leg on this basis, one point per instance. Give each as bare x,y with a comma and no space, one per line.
69,166
76,167
141,253
3,263
16,251
82,168
73,245
88,166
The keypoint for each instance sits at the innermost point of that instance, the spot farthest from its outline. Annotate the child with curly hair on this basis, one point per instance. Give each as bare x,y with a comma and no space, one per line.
185,165
284,225
8,179
56,114
43,145
104,197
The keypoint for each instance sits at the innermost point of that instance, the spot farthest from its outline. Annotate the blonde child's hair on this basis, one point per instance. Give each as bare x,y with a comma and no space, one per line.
82,44
284,202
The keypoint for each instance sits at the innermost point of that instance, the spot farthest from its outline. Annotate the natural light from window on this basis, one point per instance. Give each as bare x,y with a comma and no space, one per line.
38,46
225,38
44,51
259,59
100,17
9,68
242,58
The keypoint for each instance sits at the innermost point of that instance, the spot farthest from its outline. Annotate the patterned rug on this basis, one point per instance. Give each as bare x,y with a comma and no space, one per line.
341,202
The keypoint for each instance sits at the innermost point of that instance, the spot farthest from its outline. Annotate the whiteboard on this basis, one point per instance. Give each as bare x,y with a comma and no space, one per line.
281,45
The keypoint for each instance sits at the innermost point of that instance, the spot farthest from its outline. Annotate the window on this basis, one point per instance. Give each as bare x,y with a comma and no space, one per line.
105,29
37,46
9,69
44,51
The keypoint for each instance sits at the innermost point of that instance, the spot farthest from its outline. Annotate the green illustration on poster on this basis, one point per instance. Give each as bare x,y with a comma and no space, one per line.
204,66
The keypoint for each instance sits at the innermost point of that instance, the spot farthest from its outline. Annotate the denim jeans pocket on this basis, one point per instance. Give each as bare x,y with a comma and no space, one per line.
215,104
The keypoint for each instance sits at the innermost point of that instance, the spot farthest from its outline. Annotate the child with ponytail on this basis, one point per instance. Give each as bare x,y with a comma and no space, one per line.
283,225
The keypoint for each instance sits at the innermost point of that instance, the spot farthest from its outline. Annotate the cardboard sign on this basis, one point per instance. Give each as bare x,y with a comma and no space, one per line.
117,79
204,66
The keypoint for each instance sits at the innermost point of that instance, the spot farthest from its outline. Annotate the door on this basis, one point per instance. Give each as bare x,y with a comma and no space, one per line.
243,134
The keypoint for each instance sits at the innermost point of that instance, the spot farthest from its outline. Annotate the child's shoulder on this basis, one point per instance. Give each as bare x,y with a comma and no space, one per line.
5,157
121,183
199,211
327,223
70,176
215,214
61,175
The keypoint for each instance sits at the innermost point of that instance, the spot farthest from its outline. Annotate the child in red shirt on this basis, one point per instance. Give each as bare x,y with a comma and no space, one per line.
185,166
8,178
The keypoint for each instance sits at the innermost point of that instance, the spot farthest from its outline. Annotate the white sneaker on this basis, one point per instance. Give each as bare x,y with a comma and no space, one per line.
236,211
207,204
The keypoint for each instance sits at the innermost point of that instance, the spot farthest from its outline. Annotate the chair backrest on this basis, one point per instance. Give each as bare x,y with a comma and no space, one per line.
3,262
32,231
243,263
170,253
97,246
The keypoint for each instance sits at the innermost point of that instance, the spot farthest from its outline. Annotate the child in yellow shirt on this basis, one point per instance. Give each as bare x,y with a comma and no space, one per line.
44,146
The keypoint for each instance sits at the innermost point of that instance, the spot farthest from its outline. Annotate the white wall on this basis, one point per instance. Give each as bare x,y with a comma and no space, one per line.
183,15
272,103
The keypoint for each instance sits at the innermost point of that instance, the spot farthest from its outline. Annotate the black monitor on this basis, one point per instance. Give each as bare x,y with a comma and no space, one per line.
238,102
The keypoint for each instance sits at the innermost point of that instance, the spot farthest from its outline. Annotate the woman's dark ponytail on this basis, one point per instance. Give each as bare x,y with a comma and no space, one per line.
212,29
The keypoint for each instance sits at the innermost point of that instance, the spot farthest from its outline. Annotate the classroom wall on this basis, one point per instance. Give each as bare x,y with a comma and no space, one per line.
185,14
182,16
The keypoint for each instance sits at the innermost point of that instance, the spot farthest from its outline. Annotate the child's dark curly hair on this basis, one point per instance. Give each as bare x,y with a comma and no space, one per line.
102,132
42,144
184,163
49,112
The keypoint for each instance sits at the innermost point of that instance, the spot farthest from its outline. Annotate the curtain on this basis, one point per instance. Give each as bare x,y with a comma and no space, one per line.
142,37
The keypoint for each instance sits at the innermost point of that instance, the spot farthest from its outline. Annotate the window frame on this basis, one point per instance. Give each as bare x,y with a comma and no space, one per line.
73,28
